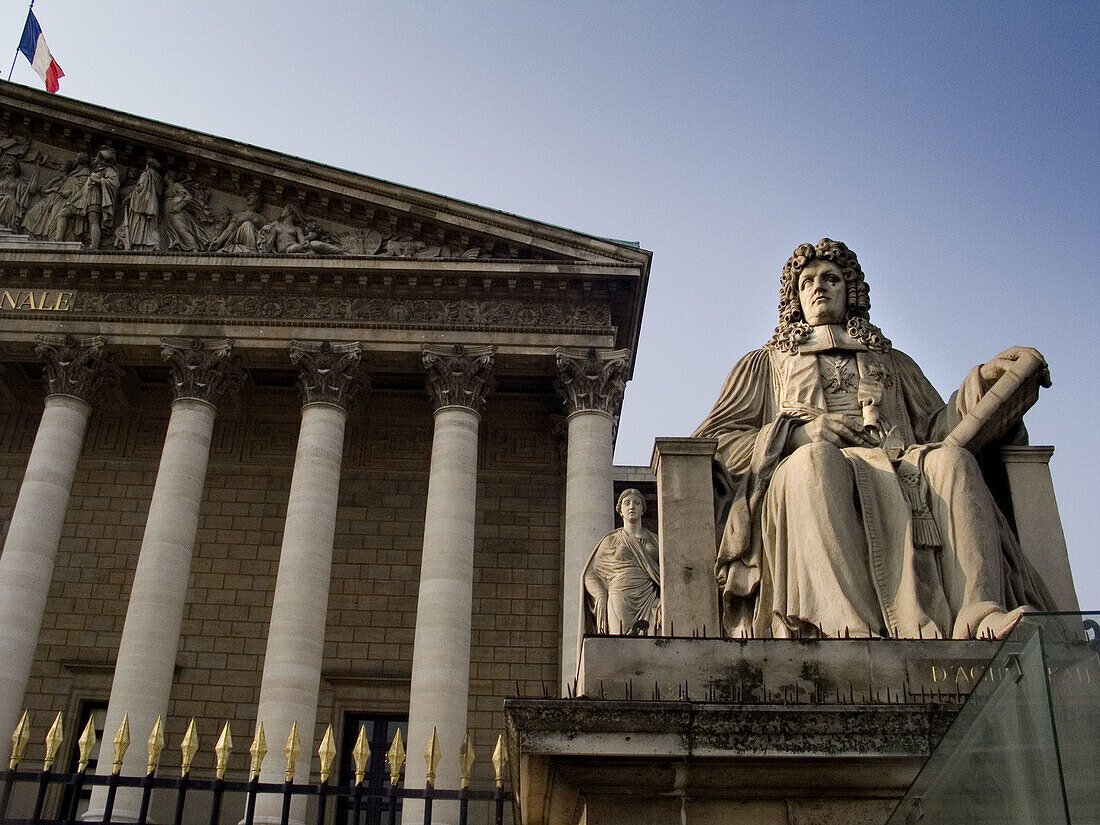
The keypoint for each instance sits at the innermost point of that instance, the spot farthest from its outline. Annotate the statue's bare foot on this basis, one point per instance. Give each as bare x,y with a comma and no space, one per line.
999,623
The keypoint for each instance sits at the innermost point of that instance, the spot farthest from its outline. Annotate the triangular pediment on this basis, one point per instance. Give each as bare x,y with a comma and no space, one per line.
67,165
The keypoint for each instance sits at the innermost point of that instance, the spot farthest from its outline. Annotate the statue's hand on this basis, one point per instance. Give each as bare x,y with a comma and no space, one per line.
838,429
601,616
722,574
991,371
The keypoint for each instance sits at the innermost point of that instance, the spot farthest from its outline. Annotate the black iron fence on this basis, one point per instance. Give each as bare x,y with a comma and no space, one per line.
323,794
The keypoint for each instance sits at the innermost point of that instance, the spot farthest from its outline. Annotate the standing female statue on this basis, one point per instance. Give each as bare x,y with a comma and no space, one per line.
847,513
622,579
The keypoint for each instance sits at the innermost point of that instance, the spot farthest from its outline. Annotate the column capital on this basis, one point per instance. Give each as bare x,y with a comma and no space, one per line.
458,375
201,369
79,367
327,373
592,380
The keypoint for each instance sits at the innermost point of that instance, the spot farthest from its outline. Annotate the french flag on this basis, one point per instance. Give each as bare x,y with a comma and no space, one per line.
33,45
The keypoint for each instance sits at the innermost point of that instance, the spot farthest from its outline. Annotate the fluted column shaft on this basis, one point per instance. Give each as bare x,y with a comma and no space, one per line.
439,691
75,372
145,667
592,386
295,642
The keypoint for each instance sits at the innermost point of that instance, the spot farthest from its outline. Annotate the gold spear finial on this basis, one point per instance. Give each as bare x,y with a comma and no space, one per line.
258,749
396,759
121,743
466,758
53,742
222,751
188,748
85,744
326,753
361,754
19,740
155,745
431,757
500,759
292,749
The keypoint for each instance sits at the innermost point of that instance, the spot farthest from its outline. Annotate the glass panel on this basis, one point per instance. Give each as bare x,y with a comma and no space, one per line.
1024,747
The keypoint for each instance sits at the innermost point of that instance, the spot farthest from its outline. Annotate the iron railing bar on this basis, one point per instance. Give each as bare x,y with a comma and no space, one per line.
77,784
43,783
463,805
288,793
109,805
216,801
146,797
322,800
5,792
250,804
181,796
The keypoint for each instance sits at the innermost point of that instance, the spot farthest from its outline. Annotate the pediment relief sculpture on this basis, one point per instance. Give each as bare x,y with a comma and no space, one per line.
150,205
853,502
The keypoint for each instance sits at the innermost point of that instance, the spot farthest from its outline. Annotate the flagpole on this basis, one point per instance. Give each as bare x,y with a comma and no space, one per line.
30,8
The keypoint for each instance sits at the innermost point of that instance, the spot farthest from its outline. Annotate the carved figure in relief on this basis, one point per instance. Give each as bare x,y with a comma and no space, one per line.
242,232
140,224
186,214
15,192
845,512
94,206
61,195
622,580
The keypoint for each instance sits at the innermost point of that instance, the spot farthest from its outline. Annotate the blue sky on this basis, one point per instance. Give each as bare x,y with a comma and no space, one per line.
952,145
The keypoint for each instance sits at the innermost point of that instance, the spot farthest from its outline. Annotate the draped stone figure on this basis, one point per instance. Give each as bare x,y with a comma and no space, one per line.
241,234
44,219
140,225
15,192
844,512
622,580
186,214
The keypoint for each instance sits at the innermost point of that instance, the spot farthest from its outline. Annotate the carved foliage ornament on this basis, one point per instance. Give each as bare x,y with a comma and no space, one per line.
76,366
203,370
458,375
328,374
590,380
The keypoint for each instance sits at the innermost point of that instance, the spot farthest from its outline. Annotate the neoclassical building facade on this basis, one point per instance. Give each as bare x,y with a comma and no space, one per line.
285,443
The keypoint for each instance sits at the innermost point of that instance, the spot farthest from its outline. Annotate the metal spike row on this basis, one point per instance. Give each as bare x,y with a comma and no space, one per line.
396,758
222,751
361,754
155,745
292,750
326,752
466,759
19,740
53,742
121,743
188,748
258,749
86,743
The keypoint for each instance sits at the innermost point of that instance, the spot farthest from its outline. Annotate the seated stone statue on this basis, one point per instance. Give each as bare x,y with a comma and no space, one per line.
844,512
622,579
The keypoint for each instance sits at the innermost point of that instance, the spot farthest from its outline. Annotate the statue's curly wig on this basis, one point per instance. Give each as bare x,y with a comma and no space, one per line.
793,329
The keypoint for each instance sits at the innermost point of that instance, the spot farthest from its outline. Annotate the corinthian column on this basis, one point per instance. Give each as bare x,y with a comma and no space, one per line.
76,371
201,371
329,377
459,379
592,385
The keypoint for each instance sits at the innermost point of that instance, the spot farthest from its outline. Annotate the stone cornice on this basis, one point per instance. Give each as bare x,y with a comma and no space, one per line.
79,367
591,380
457,375
327,373
201,369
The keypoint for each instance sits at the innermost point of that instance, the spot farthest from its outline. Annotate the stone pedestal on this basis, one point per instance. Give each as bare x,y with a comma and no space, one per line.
685,513
592,385
439,689
1037,521
75,372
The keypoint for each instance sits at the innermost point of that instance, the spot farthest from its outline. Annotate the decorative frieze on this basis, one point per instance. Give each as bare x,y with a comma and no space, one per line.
327,373
457,375
591,380
76,366
201,369
497,314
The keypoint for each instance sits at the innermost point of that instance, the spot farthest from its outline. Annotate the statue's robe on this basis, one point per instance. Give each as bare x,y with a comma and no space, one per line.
906,543
628,571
